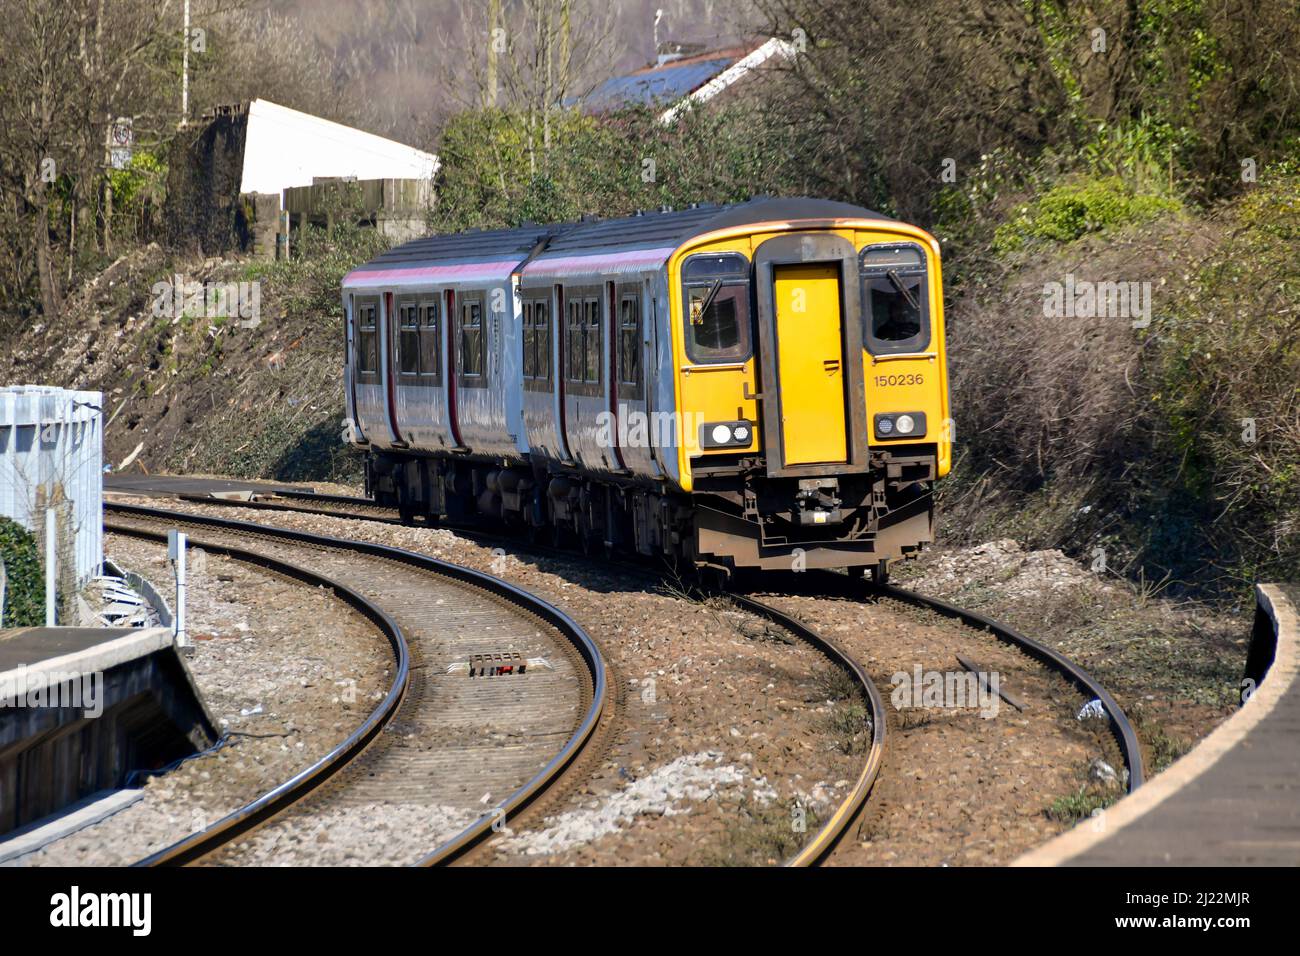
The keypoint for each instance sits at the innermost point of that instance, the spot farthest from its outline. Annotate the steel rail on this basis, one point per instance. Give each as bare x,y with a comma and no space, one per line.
249,816
476,832
826,838
834,829
1123,730
1121,727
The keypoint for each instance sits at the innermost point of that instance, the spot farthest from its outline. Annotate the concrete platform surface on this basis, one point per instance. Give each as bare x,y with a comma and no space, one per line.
187,485
36,651
78,816
82,708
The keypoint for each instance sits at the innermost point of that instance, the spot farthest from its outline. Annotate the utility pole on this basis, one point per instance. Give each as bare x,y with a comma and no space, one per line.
494,24
185,68
176,544
51,567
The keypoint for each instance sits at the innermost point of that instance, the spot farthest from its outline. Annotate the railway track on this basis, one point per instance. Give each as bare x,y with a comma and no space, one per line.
831,584
436,740
346,506
839,821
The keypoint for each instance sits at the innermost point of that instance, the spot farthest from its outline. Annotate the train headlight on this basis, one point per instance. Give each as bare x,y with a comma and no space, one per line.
736,434
896,426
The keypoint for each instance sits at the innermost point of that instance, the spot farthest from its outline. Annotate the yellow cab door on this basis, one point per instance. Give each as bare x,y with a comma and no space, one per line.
810,363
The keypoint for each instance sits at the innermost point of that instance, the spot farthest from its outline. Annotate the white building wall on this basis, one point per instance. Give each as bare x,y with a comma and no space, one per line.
51,446
287,148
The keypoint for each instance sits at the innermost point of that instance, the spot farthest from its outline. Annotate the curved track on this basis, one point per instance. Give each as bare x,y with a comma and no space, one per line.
829,835
363,508
424,594
825,840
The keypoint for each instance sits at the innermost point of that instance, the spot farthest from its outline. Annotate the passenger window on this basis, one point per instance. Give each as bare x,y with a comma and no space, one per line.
629,351
471,339
575,356
717,308
593,341
895,298
408,341
541,340
430,340
529,343
367,337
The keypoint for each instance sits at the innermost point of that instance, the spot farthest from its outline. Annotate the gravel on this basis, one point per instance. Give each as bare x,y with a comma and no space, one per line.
286,670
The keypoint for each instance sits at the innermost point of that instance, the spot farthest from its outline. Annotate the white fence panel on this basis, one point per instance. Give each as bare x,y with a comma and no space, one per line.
51,450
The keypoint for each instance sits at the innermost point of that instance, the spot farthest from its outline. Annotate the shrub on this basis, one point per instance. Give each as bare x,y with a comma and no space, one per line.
1079,206
1228,387
25,588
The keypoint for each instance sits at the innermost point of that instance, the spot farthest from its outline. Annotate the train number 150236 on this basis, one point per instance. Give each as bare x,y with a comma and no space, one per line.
907,378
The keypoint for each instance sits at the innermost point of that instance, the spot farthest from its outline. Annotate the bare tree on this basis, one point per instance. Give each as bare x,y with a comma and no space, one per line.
534,56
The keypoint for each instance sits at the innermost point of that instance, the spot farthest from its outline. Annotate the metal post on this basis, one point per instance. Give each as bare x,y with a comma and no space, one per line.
176,552
185,69
51,576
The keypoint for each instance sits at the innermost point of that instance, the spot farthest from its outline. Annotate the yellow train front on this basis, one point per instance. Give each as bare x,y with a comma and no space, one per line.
752,386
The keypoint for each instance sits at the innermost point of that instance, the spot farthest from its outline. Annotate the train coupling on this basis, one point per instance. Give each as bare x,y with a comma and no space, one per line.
817,502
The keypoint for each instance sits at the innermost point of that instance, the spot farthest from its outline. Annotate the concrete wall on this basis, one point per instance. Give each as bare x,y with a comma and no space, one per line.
398,208
55,749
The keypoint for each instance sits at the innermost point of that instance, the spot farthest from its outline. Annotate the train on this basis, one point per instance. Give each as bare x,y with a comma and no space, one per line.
755,386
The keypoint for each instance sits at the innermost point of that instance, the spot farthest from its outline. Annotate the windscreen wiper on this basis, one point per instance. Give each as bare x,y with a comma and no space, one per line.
898,284
708,299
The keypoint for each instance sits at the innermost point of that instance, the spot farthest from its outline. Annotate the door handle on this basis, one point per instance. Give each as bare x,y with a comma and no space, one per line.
748,396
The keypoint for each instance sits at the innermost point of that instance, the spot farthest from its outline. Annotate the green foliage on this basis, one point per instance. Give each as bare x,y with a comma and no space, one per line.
1078,805
495,174
308,282
1228,385
25,589
1078,206
144,180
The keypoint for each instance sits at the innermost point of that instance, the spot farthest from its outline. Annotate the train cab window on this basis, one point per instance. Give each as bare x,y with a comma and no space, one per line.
367,337
629,340
431,341
471,339
895,298
408,339
717,308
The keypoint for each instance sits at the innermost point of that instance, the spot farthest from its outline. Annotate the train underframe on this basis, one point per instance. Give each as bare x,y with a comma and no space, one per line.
737,517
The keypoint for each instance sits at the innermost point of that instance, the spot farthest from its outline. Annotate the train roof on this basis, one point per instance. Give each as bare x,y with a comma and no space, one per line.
626,244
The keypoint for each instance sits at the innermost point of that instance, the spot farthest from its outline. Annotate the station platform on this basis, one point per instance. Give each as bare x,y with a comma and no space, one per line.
135,484
81,708
1234,799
